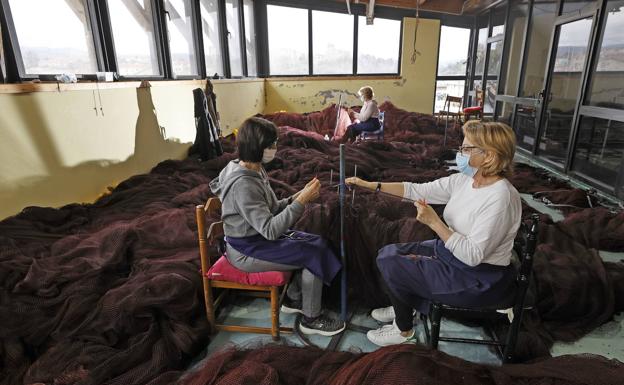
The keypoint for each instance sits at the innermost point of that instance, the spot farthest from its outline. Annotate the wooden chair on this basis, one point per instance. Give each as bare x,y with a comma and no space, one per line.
478,109
446,109
265,284
524,248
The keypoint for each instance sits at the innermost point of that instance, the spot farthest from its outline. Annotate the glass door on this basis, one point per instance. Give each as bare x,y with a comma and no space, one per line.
563,89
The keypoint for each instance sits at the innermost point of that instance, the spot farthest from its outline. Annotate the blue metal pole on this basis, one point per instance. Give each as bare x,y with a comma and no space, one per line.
343,257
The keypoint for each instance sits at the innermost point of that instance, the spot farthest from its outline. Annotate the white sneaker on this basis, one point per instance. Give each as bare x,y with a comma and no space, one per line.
388,335
383,314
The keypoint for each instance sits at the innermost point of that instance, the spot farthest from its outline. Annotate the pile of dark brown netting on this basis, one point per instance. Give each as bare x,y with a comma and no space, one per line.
398,364
110,292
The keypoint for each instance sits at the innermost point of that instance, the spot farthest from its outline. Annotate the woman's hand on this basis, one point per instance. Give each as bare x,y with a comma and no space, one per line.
355,181
310,192
426,214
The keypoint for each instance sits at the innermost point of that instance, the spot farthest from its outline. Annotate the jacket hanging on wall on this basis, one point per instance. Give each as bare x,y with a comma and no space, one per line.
207,144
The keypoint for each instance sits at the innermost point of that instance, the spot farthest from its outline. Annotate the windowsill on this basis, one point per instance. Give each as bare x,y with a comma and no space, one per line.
19,88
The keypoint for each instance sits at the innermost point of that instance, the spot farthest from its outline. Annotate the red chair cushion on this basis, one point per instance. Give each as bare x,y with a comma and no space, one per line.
468,110
223,270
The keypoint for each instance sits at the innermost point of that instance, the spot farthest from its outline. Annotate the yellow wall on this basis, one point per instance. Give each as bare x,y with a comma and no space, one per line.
413,91
55,149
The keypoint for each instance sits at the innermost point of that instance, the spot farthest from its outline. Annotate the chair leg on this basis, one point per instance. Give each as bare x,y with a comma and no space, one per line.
436,318
208,301
275,324
512,338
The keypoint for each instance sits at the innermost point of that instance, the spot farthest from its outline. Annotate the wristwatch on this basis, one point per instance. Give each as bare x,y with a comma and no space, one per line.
378,189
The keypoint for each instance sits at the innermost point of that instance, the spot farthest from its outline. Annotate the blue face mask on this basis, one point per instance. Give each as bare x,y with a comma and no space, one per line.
463,164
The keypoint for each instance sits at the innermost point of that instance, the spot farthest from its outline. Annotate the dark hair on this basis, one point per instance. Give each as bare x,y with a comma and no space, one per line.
253,137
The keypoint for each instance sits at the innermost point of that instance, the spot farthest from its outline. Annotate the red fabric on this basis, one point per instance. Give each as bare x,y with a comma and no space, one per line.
223,270
472,109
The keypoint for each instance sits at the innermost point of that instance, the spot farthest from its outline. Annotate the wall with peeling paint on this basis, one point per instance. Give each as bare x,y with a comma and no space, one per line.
55,150
413,91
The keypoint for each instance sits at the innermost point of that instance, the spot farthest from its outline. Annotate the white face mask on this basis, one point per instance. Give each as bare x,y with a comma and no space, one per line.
268,155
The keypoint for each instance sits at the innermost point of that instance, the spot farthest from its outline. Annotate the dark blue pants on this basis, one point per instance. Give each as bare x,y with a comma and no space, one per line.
369,125
420,272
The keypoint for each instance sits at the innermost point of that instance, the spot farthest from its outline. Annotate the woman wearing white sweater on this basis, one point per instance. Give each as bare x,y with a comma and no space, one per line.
368,117
470,263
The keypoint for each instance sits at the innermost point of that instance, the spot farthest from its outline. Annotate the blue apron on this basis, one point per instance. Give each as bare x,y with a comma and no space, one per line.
294,248
421,272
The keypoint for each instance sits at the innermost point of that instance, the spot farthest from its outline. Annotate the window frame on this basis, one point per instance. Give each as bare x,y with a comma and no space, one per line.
198,46
356,11
13,53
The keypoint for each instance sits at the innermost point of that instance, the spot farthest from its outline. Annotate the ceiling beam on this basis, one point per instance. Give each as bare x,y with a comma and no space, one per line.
443,6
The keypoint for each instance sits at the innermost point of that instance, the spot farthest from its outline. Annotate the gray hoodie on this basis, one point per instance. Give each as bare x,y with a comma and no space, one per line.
249,205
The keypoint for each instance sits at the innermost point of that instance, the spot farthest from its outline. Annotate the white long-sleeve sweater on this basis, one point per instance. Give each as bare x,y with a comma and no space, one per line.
484,220
368,110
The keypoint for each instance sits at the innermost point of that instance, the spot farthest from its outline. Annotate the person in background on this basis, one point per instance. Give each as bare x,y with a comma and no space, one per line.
256,226
368,117
470,263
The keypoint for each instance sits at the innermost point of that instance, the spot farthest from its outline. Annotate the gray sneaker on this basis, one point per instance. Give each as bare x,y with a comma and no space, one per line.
321,325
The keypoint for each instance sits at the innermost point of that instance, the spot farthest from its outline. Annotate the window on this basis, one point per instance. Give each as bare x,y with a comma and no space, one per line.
517,24
577,7
210,30
543,19
446,88
288,40
481,48
250,38
135,41
53,37
453,53
600,149
378,46
332,47
234,37
607,81
181,40
452,62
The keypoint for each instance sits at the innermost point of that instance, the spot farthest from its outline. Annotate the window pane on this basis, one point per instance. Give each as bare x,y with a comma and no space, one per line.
544,15
571,50
332,47
181,41
288,40
496,52
490,96
505,110
2,60
525,126
481,47
231,15
607,80
446,88
517,23
210,32
133,32
378,46
498,20
250,38
453,53
54,36
600,149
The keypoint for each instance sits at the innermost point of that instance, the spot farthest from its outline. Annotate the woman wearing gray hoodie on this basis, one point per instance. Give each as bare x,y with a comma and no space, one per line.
256,226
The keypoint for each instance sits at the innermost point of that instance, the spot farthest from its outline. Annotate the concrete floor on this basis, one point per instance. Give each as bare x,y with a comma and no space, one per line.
607,340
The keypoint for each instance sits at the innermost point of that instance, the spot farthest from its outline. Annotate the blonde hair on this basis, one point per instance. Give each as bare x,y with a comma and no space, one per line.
367,92
496,138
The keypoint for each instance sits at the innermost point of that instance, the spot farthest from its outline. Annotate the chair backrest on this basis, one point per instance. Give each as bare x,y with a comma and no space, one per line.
214,235
455,100
382,118
526,250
